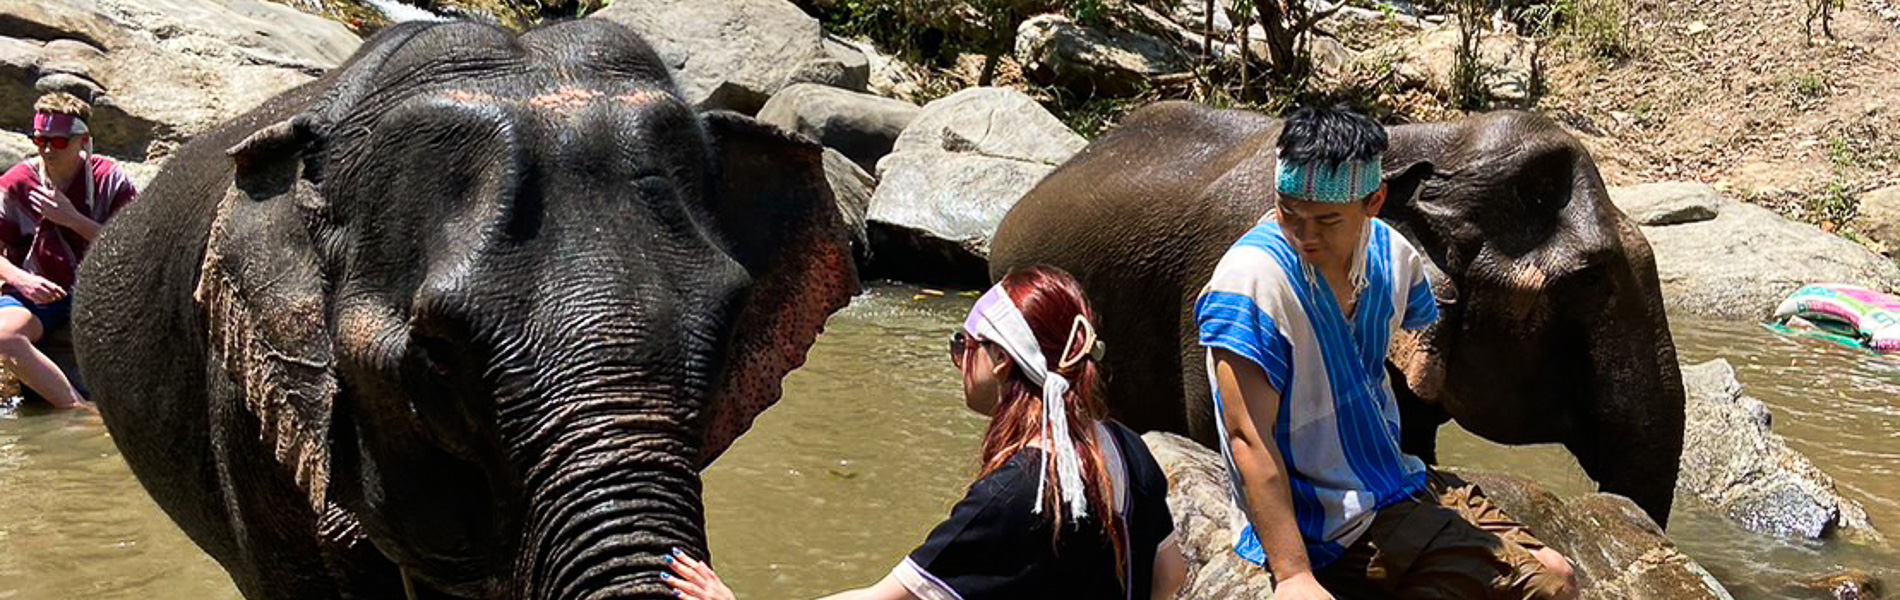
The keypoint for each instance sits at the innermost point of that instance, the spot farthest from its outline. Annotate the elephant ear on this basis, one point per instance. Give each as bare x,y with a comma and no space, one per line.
770,202
260,290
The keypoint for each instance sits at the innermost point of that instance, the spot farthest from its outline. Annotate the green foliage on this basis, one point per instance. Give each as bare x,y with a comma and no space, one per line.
1087,12
1468,90
1601,28
1836,202
1811,86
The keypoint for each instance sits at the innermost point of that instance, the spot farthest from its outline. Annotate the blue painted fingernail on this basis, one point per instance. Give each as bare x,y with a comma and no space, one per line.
668,559
666,576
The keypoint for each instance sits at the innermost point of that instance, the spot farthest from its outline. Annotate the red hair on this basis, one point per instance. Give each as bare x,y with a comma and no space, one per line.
1050,299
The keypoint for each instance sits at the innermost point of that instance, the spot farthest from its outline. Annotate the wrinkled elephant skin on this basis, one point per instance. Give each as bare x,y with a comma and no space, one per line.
468,314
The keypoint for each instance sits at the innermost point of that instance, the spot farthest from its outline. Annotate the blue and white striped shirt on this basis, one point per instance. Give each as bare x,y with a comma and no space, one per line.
1338,423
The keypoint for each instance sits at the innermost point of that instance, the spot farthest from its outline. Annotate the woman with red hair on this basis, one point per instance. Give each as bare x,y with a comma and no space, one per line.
1067,504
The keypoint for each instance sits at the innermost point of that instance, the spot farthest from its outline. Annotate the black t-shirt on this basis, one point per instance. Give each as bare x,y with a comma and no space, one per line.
993,546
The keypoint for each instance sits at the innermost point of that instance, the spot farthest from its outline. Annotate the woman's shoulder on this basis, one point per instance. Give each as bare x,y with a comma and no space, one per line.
1141,462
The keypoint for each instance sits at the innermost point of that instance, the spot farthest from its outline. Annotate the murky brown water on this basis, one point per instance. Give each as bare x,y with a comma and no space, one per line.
871,446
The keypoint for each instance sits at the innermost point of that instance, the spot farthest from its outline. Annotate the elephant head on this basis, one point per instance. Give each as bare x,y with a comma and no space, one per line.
501,298
1552,325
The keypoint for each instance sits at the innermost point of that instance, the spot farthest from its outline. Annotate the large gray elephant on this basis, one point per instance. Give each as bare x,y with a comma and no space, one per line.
1552,326
467,315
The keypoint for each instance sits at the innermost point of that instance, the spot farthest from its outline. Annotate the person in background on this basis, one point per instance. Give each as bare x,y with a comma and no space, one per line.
1067,504
1296,320
52,207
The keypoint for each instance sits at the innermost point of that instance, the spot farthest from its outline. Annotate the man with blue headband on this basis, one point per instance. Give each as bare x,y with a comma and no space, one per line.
1296,319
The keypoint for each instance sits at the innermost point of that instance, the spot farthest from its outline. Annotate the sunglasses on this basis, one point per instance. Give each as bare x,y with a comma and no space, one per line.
56,142
960,343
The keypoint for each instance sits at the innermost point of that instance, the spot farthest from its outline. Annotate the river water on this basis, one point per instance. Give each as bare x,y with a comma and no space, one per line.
871,446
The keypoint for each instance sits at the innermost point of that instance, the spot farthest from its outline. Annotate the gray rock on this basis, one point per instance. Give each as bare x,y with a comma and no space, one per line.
141,173
1732,459
14,147
1056,51
734,54
1743,262
934,212
862,126
851,189
159,71
1618,552
854,66
1845,584
1424,60
1879,217
1669,203
1329,55
960,166
1206,521
1192,14
991,121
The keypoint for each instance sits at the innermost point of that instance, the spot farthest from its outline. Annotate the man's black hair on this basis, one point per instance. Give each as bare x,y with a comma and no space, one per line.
1330,136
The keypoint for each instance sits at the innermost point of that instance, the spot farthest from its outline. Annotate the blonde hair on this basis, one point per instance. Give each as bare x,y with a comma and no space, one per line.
65,104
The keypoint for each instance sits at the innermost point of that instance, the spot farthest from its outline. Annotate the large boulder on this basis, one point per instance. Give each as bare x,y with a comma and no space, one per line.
14,148
1879,217
1206,521
1667,203
851,189
956,170
734,54
1094,62
1732,459
1618,551
862,126
1743,262
1424,61
159,71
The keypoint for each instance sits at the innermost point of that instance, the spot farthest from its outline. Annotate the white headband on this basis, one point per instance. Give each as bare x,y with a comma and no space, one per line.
996,319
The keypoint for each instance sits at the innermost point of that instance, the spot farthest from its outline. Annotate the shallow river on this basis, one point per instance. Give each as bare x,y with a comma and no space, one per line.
871,446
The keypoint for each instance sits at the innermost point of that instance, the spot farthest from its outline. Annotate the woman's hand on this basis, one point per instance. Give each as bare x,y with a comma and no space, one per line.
693,579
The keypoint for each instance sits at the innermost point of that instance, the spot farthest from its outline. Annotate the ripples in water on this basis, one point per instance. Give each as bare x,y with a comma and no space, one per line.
872,445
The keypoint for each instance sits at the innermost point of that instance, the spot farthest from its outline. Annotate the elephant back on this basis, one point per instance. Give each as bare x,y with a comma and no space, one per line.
1140,216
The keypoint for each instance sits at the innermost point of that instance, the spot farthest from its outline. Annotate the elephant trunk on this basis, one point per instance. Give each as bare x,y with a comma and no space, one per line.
1635,430
609,495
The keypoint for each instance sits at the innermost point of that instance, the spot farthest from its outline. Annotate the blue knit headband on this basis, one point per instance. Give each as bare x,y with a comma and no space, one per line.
1347,182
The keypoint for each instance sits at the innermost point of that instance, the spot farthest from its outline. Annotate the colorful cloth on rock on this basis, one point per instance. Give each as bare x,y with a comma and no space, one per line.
46,249
1870,318
1338,422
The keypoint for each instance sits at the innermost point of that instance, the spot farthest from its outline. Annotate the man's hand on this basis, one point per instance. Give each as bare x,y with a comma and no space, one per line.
54,206
1300,587
38,289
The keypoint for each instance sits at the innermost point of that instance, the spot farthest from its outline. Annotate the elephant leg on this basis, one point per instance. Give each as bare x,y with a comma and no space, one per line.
1418,420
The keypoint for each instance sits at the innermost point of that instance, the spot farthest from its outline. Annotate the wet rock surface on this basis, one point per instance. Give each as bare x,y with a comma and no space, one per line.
1732,459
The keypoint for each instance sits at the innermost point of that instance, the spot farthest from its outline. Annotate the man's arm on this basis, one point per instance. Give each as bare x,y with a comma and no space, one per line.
1243,393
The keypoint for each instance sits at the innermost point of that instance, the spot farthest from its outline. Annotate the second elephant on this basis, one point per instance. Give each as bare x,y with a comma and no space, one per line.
1552,326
